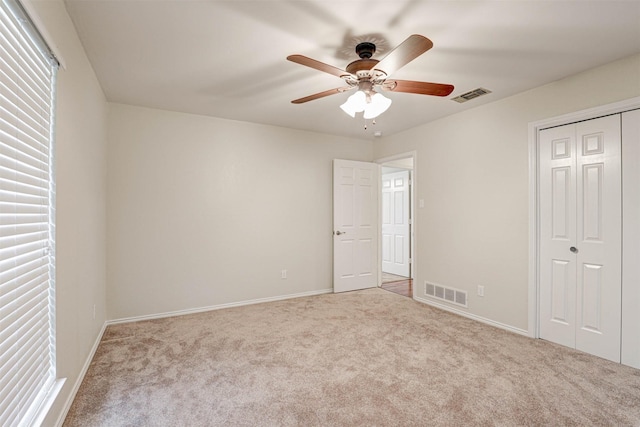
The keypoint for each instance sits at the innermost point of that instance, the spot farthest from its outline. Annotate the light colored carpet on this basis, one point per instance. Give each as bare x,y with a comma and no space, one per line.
366,358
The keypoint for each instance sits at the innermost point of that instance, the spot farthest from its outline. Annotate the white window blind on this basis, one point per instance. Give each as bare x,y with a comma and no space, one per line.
27,75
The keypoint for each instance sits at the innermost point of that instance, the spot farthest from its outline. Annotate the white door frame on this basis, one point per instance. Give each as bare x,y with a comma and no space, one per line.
414,220
533,132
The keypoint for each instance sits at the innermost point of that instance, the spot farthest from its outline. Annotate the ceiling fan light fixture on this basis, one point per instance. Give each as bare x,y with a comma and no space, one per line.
355,103
373,104
378,105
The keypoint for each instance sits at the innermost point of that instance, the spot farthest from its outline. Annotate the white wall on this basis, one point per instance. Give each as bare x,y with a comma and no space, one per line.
205,211
80,139
472,173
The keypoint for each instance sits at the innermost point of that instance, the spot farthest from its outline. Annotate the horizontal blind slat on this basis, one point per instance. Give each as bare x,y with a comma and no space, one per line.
15,34
27,71
9,176
11,41
21,349
16,37
12,156
25,109
30,244
24,266
19,111
30,326
22,377
16,322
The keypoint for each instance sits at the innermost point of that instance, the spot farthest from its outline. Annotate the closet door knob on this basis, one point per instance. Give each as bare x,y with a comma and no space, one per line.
573,249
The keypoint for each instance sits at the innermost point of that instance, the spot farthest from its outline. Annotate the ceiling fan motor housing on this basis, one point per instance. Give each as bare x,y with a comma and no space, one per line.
361,67
365,50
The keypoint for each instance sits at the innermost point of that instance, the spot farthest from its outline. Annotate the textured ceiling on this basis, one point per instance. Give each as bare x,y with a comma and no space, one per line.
228,58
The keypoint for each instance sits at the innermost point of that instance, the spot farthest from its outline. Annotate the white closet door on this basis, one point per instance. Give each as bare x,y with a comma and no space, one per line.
599,221
558,235
580,236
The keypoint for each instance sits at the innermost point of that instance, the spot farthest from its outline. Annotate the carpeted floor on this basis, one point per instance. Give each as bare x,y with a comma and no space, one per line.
366,358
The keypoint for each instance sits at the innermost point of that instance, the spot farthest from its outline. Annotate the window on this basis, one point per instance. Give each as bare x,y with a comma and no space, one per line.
27,339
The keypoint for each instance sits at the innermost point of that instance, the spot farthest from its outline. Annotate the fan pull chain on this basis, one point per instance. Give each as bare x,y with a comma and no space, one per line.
373,122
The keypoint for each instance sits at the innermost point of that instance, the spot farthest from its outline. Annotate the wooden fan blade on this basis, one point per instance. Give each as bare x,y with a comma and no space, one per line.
321,95
317,65
406,52
421,88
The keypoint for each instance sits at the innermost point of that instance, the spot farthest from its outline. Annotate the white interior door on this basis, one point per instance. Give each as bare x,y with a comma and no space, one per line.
355,225
581,236
395,223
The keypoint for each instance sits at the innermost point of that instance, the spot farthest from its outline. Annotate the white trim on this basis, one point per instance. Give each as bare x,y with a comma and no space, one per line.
52,395
630,342
588,114
414,211
533,131
217,307
83,372
468,315
532,323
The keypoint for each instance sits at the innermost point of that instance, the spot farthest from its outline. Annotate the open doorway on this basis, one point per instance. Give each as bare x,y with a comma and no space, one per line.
396,228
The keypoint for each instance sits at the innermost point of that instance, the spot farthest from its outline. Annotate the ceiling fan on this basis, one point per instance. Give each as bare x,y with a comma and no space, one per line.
367,75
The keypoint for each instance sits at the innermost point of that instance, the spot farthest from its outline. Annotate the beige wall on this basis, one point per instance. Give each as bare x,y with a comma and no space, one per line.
205,211
80,138
472,173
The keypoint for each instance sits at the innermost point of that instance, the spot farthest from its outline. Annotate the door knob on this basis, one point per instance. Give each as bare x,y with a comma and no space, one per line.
573,249
340,232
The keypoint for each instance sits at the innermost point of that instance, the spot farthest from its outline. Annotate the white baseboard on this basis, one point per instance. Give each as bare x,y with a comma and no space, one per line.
217,307
83,372
472,316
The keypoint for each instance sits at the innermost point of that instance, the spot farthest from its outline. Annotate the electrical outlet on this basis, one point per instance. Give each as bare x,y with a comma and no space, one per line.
480,290
283,274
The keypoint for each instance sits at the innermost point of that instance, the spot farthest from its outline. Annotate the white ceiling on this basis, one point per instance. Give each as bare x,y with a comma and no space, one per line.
228,58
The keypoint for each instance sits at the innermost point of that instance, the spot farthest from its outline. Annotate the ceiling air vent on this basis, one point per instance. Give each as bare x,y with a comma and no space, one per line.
471,94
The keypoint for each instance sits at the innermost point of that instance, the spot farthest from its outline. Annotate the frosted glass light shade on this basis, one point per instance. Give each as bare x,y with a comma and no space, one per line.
378,105
355,103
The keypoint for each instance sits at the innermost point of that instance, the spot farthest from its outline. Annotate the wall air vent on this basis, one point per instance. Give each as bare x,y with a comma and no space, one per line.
454,296
471,95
